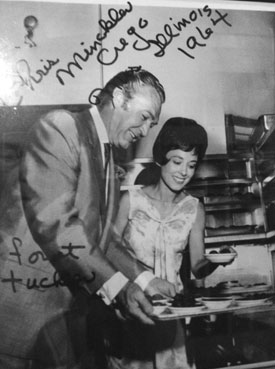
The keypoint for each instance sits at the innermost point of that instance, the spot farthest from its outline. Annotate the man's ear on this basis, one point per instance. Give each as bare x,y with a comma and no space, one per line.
118,97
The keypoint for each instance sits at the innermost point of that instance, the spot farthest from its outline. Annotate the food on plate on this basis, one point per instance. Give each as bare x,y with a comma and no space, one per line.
156,297
224,255
253,299
225,251
181,300
221,258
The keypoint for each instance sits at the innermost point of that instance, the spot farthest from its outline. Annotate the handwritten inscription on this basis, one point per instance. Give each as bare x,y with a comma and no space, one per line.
135,37
27,77
161,40
115,16
45,282
164,39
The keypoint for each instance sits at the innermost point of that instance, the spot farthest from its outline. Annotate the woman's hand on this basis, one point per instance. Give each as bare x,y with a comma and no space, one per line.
161,287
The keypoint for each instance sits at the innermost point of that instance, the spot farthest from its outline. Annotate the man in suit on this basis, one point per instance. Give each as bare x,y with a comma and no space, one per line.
70,201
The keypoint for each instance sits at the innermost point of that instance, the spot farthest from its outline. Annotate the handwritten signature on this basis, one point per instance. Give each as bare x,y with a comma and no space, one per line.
106,26
162,40
45,282
171,30
27,78
24,77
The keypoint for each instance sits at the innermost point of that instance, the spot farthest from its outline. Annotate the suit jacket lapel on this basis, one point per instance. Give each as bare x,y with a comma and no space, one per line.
85,120
108,212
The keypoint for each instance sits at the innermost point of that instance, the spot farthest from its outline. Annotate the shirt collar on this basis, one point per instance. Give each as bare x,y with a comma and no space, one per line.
99,125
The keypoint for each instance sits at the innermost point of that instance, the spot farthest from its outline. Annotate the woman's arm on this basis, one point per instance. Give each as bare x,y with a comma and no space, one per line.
200,266
122,215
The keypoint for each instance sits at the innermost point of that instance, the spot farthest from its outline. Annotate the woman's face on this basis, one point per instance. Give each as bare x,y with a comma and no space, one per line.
179,169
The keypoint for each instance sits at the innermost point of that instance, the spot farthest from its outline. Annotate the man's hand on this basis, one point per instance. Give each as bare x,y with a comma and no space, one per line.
132,303
159,286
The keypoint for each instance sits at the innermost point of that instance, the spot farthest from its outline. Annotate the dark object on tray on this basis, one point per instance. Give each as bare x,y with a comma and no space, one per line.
181,300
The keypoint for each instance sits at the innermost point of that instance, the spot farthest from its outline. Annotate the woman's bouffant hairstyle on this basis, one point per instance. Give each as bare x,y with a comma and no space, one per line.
179,133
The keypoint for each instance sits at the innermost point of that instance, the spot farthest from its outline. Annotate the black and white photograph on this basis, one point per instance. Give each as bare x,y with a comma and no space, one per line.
137,184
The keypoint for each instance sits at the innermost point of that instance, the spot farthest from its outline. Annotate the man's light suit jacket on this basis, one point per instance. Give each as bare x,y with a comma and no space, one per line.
63,191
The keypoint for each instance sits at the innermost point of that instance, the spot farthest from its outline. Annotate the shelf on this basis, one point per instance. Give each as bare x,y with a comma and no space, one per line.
220,182
240,206
259,365
238,237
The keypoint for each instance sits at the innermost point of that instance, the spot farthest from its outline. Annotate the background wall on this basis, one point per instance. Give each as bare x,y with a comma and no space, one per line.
233,73
60,31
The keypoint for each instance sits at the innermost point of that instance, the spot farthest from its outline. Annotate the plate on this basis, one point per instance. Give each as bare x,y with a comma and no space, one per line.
217,302
247,302
159,300
162,302
157,310
221,258
186,310
166,316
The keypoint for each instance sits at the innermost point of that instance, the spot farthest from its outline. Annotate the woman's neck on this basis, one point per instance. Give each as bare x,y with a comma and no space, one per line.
164,194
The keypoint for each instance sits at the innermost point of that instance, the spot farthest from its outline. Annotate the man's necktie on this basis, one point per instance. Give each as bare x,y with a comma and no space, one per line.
111,207
107,149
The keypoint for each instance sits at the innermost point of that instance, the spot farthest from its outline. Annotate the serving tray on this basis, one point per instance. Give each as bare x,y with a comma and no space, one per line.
168,314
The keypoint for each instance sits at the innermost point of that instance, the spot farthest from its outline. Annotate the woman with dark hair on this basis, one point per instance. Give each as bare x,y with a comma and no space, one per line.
157,222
